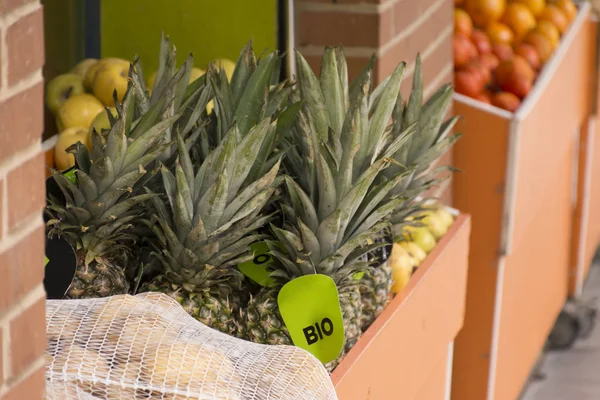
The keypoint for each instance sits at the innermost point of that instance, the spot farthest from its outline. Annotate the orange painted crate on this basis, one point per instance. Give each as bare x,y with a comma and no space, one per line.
407,352
518,180
586,227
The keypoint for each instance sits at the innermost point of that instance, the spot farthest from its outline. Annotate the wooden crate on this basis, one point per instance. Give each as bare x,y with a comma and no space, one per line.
518,180
407,352
586,224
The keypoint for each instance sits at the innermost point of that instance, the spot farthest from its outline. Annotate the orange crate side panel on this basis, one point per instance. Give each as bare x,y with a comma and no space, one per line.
479,191
404,345
435,387
534,290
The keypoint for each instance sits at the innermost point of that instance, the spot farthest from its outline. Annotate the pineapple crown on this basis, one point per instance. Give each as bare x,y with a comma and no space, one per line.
433,135
210,217
100,207
340,199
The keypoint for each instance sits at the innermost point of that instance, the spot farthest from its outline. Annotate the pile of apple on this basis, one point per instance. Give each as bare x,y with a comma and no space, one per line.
501,45
81,100
414,242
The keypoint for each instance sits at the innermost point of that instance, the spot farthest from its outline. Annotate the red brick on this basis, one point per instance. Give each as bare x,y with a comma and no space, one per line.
435,62
343,1
25,41
26,191
7,6
21,268
419,41
408,11
21,120
1,359
27,337
349,29
31,388
421,37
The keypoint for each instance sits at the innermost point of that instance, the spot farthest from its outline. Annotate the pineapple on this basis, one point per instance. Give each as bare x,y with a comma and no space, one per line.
422,149
205,223
339,200
100,209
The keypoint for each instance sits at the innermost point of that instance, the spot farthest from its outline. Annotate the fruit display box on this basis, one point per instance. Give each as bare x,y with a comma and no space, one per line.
586,224
409,347
518,180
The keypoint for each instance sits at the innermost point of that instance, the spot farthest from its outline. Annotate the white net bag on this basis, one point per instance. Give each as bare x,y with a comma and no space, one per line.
148,347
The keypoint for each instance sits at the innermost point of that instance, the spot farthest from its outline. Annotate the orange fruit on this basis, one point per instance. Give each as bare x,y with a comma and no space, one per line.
483,12
554,14
464,50
542,45
485,97
517,65
548,29
481,41
462,22
535,6
529,53
489,60
469,83
507,101
503,51
500,33
458,2
518,85
519,19
568,7
477,67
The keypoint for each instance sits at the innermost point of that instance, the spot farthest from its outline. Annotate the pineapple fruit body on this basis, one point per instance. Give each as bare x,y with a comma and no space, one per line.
100,278
220,312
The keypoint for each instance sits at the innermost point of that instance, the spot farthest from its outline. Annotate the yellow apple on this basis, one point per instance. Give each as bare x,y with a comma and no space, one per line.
110,77
445,216
83,66
62,87
101,121
78,111
421,236
196,73
90,74
402,266
433,221
227,65
68,137
415,251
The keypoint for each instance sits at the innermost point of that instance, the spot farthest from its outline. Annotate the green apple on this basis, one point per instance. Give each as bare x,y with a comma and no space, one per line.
62,87
90,75
101,122
111,76
79,111
68,137
421,236
83,66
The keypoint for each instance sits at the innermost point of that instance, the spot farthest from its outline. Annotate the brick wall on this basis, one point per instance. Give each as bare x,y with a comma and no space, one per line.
393,30
22,296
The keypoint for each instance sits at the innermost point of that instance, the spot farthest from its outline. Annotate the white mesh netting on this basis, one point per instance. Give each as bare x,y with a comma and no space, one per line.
148,347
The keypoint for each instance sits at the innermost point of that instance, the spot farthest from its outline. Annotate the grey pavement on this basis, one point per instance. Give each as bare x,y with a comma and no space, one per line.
573,374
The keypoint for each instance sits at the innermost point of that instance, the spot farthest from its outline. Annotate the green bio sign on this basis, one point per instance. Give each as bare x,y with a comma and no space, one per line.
310,308
257,269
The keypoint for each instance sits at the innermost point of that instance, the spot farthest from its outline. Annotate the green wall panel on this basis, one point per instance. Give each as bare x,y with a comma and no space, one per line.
207,29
